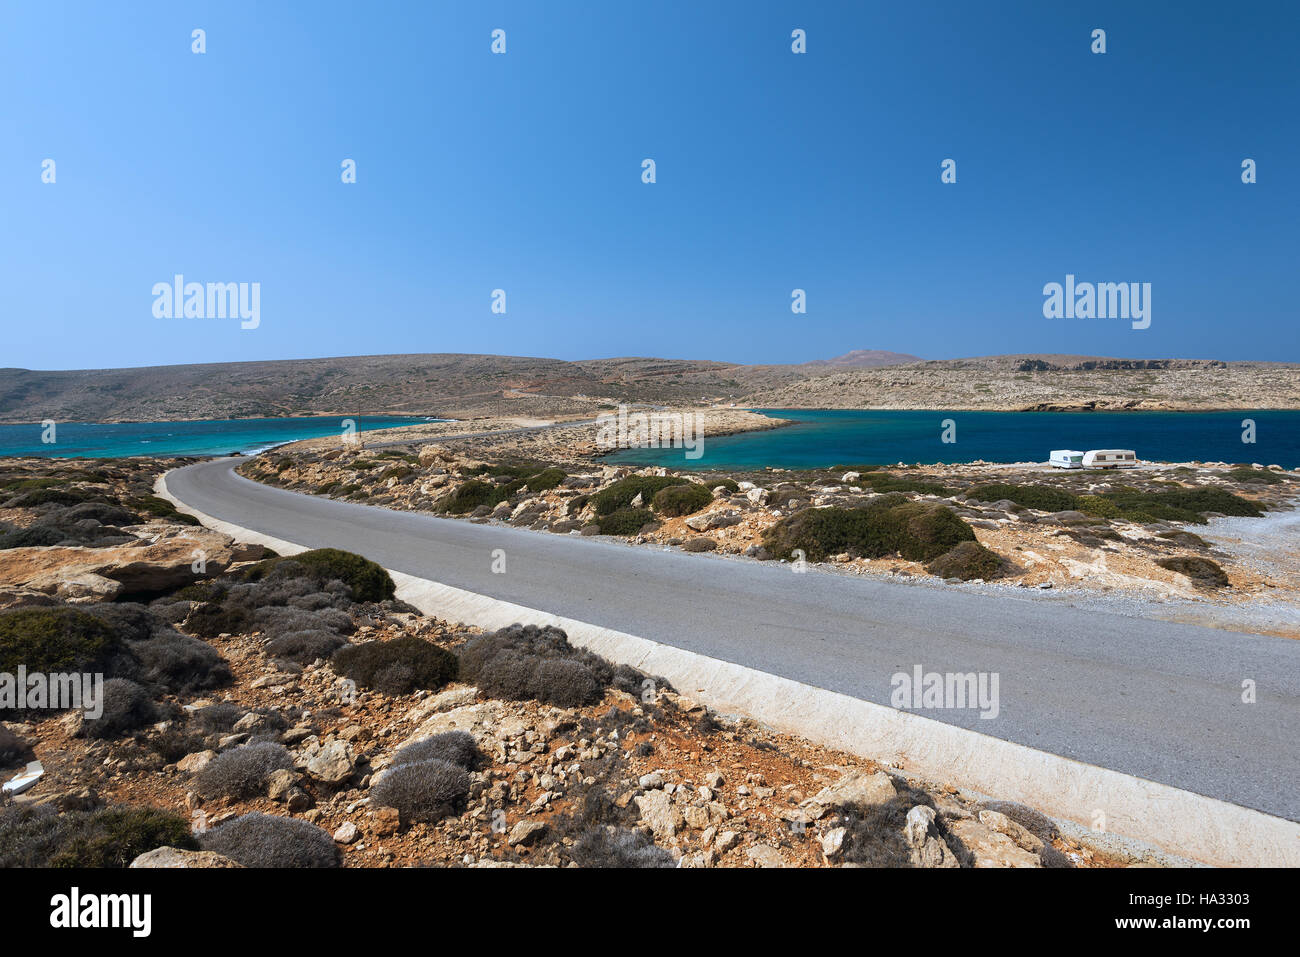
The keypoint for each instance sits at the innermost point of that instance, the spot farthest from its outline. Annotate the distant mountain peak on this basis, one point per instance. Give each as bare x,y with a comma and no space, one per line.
866,358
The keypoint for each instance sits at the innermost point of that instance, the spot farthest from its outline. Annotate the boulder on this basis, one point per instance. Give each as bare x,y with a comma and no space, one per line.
333,763
280,784
660,814
347,833
176,857
991,848
160,561
526,833
928,848
853,788
196,762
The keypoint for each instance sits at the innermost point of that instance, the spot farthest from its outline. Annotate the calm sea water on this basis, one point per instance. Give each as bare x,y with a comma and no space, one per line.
822,438
204,437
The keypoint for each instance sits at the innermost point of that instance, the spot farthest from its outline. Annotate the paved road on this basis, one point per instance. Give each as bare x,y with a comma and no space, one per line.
1152,698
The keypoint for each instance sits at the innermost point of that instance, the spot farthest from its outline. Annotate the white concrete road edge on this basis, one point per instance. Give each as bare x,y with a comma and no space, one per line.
1178,822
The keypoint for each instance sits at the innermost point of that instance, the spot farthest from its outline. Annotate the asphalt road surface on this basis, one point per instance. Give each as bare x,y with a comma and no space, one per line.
1156,699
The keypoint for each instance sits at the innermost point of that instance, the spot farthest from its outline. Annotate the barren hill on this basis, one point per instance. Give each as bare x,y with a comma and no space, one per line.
465,386
1047,382
448,385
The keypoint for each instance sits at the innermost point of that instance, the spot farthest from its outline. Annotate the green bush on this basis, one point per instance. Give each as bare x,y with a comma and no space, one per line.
54,496
1255,475
108,837
397,472
1203,572
1030,496
34,536
967,561
886,482
545,480
30,484
423,664
366,580
1184,538
729,484
1098,506
1181,505
56,639
621,493
161,508
676,500
916,530
625,521
471,495
219,618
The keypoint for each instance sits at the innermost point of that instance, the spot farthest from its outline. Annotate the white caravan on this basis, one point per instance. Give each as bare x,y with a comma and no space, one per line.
1066,459
1109,458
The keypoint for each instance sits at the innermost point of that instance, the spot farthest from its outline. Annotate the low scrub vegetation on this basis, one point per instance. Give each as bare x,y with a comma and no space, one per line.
243,772
126,707
608,846
526,662
366,580
57,639
269,840
1176,504
1041,497
1181,505
968,561
620,494
397,667
917,531
456,747
677,500
12,747
424,791
888,482
625,521
1259,476
108,837
1203,572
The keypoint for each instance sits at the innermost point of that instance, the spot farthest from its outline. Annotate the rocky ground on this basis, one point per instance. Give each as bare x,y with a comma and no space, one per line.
242,688
1046,528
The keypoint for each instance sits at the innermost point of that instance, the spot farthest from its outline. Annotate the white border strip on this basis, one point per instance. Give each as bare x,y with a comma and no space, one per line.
1177,821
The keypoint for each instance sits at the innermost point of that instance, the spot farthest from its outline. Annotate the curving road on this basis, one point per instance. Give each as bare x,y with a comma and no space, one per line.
1155,699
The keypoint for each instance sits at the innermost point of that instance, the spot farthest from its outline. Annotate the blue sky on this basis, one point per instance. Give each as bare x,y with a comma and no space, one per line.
522,171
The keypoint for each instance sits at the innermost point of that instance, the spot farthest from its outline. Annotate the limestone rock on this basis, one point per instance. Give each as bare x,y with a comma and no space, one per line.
526,833
157,562
333,763
660,814
196,762
176,857
991,848
347,833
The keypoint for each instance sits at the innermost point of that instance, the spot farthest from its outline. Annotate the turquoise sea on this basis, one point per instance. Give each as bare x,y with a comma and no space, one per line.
203,437
823,438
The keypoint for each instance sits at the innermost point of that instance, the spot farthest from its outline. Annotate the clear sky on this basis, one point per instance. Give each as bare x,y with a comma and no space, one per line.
522,172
